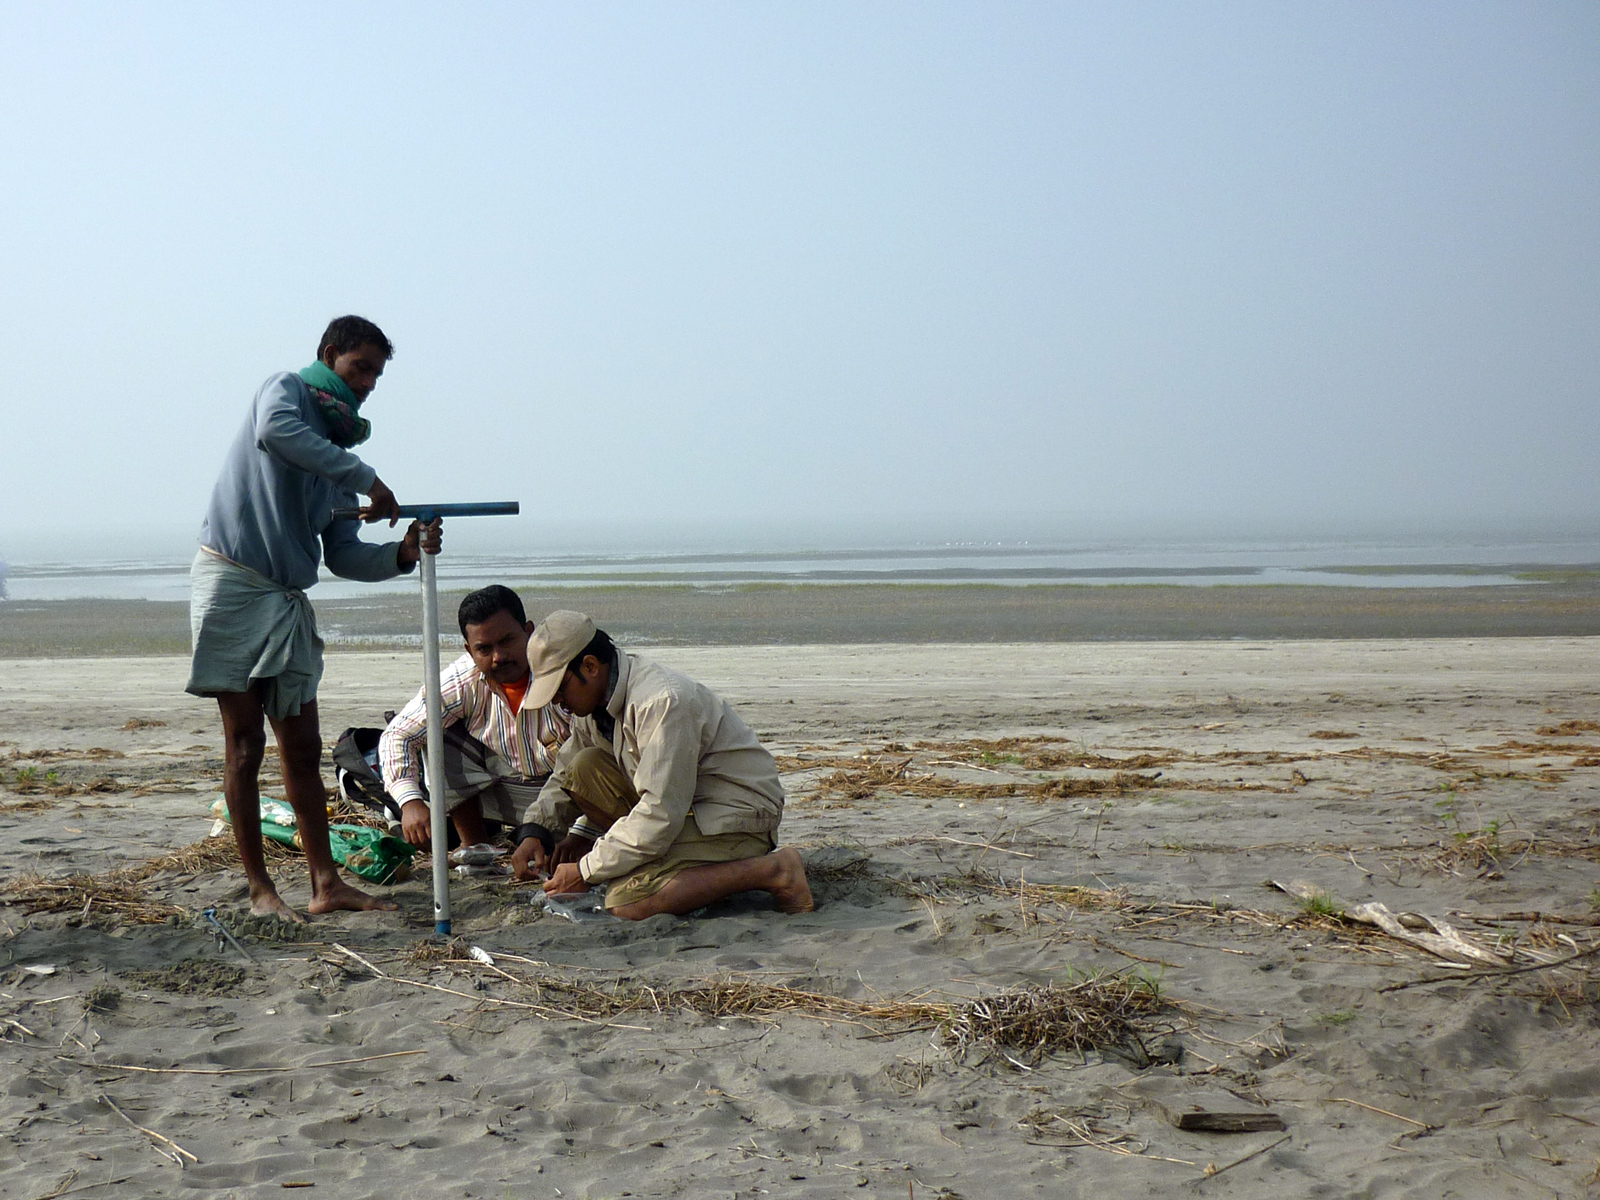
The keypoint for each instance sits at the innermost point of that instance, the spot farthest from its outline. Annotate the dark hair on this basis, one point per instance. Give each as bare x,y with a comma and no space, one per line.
600,645
477,607
345,334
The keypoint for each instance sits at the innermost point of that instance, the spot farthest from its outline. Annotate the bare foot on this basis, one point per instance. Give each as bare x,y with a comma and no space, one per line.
790,889
341,897
270,904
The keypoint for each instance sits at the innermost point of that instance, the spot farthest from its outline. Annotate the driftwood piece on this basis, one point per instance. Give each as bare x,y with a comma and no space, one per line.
1433,934
1439,938
1205,1108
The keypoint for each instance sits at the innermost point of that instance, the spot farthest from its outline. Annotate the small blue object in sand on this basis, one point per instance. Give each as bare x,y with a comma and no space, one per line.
221,930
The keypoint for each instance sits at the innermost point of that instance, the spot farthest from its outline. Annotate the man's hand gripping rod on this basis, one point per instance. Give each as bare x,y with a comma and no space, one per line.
426,513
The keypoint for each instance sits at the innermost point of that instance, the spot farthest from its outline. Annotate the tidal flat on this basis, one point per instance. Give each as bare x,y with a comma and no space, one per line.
824,614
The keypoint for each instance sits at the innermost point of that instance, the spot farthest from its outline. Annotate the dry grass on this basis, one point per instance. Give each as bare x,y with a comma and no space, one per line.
212,854
1013,765
1481,852
99,786
1025,1025
430,953
26,806
831,872
1558,848
121,895
1571,998
1021,1025
861,782
1036,899
93,753
1079,1127
1568,729
1030,754
946,888
88,895
348,812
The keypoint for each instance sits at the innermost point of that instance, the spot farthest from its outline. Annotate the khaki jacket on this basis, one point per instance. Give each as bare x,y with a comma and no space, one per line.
685,749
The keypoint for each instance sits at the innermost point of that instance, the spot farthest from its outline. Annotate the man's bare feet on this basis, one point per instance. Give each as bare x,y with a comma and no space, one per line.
790,888
341,897
270,904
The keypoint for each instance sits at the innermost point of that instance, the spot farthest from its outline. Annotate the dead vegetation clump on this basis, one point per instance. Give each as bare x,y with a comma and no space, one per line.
911,772
1030,754
945,888
431,953
1068,1127
1565,995
113,895
1034,900
27,783
1568,729
121,894
25,806
93,752
1022,1025
347,812
212,854
1519,749
862,782
834,870
1567,848
1480,852
1025,1025
1119,784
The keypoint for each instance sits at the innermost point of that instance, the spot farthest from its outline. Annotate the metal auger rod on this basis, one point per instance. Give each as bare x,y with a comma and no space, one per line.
434,762
427,512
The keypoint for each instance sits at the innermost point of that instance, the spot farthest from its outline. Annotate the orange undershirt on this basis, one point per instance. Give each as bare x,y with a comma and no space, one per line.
516,691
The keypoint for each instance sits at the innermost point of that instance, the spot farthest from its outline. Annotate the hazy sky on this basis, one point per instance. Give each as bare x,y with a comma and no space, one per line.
975,267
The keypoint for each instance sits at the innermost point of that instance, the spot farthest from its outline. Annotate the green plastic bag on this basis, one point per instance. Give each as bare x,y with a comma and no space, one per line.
371,853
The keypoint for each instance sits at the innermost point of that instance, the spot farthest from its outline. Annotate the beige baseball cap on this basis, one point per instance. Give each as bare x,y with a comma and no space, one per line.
557,640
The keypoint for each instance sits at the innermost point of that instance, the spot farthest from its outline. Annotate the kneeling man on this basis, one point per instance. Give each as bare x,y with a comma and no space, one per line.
498,744
687,798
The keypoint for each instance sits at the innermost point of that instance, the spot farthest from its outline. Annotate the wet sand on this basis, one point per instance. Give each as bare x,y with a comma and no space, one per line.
977,817
812,614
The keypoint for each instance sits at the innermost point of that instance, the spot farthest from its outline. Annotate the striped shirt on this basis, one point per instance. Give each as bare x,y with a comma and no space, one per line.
526,740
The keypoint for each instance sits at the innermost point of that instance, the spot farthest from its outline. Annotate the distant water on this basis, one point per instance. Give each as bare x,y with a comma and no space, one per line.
1189,564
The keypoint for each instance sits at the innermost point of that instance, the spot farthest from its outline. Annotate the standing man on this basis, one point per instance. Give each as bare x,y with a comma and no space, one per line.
498,748
687,798
255,639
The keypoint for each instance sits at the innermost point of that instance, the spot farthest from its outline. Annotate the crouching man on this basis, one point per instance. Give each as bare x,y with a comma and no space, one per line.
498,746
686,798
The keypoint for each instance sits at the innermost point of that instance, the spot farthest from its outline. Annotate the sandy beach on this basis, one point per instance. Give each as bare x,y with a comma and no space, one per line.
987,826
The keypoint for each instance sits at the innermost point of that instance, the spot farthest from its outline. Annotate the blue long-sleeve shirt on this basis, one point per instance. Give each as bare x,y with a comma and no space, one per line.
277,491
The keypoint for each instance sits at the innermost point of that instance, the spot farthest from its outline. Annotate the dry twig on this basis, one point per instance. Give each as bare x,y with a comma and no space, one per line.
177,1154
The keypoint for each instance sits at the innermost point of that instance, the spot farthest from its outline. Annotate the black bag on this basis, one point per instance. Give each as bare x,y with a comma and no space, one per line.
355,762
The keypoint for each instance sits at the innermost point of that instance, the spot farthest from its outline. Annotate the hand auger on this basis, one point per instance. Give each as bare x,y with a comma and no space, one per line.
426,513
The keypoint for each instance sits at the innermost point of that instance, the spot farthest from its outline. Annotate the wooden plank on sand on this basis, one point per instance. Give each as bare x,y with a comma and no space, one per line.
1205,1109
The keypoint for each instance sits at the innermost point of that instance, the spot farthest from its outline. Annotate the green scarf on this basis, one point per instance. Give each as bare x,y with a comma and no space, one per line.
338,405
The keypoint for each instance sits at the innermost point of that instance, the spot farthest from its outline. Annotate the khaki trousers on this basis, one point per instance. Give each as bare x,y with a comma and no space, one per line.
597,781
